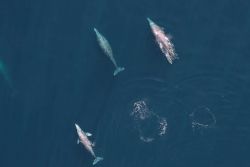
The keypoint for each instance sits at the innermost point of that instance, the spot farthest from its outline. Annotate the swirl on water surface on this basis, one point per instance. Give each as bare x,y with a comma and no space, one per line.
202,118
152,105
210,95
149,124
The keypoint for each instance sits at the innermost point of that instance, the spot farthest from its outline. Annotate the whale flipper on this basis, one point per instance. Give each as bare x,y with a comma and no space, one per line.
97,159
118,69
88,134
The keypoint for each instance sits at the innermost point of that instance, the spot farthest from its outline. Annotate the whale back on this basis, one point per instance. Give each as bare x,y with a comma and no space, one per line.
104,44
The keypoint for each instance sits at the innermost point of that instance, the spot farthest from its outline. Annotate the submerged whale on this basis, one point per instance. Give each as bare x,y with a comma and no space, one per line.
4,73
83,138
104,44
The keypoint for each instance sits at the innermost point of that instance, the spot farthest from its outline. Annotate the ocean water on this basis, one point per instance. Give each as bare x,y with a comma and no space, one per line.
194,112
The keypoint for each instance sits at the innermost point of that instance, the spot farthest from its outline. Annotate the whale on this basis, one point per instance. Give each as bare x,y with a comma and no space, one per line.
105,46
83,138
4,72
5,75
163,41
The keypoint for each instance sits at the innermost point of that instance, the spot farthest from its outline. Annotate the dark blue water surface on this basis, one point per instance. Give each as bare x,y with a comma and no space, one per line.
56,75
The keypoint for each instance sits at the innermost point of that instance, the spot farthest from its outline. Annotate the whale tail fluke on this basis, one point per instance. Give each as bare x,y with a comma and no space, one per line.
118,69
97,159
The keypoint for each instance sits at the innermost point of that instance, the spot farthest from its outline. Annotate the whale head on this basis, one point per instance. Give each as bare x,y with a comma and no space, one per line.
151,23
96,31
